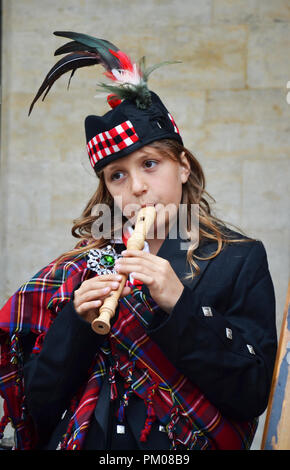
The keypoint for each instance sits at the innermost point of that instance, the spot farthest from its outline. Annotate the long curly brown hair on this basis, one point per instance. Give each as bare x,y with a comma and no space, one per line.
210,227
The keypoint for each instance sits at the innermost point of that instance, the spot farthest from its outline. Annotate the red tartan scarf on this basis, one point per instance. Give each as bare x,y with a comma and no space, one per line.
190,419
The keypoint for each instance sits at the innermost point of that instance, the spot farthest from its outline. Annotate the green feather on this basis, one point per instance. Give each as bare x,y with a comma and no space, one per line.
138,93
151,69
87,40
142,64
100,45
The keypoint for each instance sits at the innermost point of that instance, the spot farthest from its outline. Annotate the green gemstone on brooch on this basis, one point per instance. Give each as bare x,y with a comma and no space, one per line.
102,261
108,260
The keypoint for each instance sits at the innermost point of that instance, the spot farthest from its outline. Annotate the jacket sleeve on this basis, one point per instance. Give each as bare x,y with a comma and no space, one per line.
228,353
53,376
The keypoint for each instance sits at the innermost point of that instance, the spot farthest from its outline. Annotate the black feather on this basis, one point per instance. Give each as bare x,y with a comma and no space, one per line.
73,46
71,76
70,62
101,46
83,51
89,41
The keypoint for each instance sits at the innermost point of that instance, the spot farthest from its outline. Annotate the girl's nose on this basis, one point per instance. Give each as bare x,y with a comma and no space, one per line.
138,185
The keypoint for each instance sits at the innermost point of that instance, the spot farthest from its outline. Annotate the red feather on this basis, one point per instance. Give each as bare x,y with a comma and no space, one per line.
110,75
113,100
125,61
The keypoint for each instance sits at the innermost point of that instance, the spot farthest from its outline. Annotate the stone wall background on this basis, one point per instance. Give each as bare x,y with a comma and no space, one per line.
228,98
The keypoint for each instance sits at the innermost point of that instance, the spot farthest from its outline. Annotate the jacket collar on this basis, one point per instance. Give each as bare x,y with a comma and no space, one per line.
172,251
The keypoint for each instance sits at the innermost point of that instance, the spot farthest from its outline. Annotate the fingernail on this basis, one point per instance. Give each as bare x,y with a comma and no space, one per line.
119,278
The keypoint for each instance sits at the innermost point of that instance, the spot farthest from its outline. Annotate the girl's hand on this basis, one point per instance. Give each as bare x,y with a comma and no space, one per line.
89,297
164,285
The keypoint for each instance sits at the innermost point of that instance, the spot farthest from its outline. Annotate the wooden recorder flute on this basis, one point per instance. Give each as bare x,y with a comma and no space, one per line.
145,219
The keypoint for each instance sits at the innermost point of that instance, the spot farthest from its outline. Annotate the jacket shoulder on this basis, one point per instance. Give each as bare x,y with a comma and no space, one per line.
237,246
245,245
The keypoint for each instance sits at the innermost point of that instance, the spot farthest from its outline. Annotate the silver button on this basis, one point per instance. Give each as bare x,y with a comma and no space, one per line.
120,429
229,333
251,349
207,311
162,428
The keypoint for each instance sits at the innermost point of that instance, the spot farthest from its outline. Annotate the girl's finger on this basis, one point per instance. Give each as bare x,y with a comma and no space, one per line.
140,257
93,294
96,289
126,291
145,278
137,253
139,268
132,263
95,282
85,307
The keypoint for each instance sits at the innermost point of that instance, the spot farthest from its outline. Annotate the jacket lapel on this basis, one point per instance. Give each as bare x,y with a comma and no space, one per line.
172,251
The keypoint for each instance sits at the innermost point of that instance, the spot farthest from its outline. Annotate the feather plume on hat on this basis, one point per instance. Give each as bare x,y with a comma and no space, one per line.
129,79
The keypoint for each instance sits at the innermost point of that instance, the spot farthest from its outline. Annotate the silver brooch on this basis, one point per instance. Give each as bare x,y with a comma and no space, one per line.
102,261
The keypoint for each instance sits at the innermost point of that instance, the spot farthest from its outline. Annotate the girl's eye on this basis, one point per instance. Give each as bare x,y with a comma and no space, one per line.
116,176
150,163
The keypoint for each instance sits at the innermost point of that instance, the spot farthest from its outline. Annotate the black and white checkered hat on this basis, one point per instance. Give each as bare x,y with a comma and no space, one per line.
127,128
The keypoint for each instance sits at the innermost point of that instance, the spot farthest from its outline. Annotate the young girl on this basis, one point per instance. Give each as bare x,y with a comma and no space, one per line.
188,361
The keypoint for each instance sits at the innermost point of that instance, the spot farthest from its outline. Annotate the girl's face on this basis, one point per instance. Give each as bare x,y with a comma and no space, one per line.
147,177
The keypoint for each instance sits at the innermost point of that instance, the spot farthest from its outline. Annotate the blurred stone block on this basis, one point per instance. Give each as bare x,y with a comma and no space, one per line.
250,11
267,64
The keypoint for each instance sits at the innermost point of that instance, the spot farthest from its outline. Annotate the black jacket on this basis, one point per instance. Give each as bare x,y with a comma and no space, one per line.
228,349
